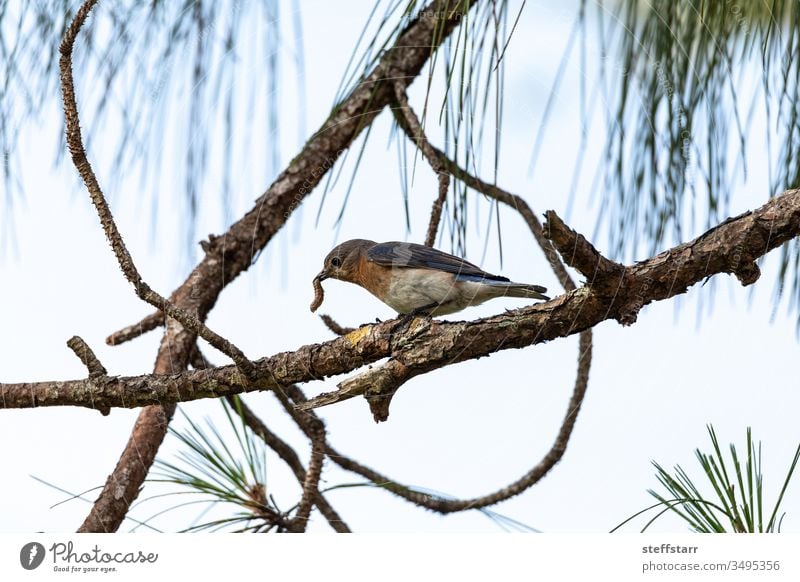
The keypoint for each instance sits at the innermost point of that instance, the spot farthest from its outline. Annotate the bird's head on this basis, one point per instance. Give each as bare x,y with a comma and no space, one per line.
343,261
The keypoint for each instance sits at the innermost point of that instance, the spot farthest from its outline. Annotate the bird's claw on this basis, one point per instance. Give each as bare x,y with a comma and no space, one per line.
402,323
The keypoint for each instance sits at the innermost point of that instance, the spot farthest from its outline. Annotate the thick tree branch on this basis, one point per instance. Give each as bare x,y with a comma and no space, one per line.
428,344
229,255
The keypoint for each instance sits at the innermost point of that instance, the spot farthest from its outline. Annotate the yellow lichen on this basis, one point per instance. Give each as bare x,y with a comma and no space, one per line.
357,335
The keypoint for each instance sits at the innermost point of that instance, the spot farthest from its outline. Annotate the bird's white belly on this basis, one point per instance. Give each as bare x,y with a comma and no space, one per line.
417,288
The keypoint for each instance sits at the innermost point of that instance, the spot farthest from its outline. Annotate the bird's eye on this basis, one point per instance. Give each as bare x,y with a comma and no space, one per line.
336,262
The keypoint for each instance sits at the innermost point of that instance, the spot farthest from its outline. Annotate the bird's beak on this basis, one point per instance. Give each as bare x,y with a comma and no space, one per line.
322,275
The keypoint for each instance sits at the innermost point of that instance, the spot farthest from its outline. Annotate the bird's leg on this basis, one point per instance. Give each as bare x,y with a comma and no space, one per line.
405,319
424,310
401,324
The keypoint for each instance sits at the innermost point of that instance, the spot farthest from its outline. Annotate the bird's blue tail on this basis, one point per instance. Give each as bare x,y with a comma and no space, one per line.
509,288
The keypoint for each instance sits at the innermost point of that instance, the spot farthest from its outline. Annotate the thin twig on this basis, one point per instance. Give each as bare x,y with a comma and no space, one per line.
332,325
436,210
232,253
314,429
444,505
313,474
149,323
86,356
290,457
292,396
394,378
96,369
417,135
409,123
276,443
81,162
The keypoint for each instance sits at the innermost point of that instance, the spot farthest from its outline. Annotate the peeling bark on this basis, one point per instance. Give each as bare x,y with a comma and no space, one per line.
612,291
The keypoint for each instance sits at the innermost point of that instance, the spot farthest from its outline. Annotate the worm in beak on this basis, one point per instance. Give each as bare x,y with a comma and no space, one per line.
319,293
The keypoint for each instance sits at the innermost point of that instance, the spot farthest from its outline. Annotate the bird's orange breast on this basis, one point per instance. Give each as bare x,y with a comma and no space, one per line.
374,278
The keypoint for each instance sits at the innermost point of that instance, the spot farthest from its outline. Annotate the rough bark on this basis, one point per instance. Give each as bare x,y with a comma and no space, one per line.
612,291
232,253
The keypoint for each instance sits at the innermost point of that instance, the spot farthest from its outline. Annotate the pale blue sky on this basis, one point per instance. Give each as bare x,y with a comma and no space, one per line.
465,430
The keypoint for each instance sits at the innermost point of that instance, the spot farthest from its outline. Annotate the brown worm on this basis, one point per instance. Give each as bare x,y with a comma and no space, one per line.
319,294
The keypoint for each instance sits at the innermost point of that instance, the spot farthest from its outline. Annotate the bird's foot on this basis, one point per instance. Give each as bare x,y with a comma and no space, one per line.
401,323
425,310
404,319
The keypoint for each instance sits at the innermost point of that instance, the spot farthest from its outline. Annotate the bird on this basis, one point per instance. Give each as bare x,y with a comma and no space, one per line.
414,279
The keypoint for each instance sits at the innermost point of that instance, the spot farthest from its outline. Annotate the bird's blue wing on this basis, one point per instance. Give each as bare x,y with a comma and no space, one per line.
414,256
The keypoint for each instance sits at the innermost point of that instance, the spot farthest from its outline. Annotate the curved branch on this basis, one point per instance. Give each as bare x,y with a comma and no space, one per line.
229,255
334,326
444,505
413,127
553,456
277,444
408,122
311,482
124,258
517,203
289,456
379,384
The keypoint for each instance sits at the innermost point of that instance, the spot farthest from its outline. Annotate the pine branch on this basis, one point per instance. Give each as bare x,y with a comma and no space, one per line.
229,255
428,344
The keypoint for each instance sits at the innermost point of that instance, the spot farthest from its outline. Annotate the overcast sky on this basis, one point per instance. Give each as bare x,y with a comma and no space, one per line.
465,430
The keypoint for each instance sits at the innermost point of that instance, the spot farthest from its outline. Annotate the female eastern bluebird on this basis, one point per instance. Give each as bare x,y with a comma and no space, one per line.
414,279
